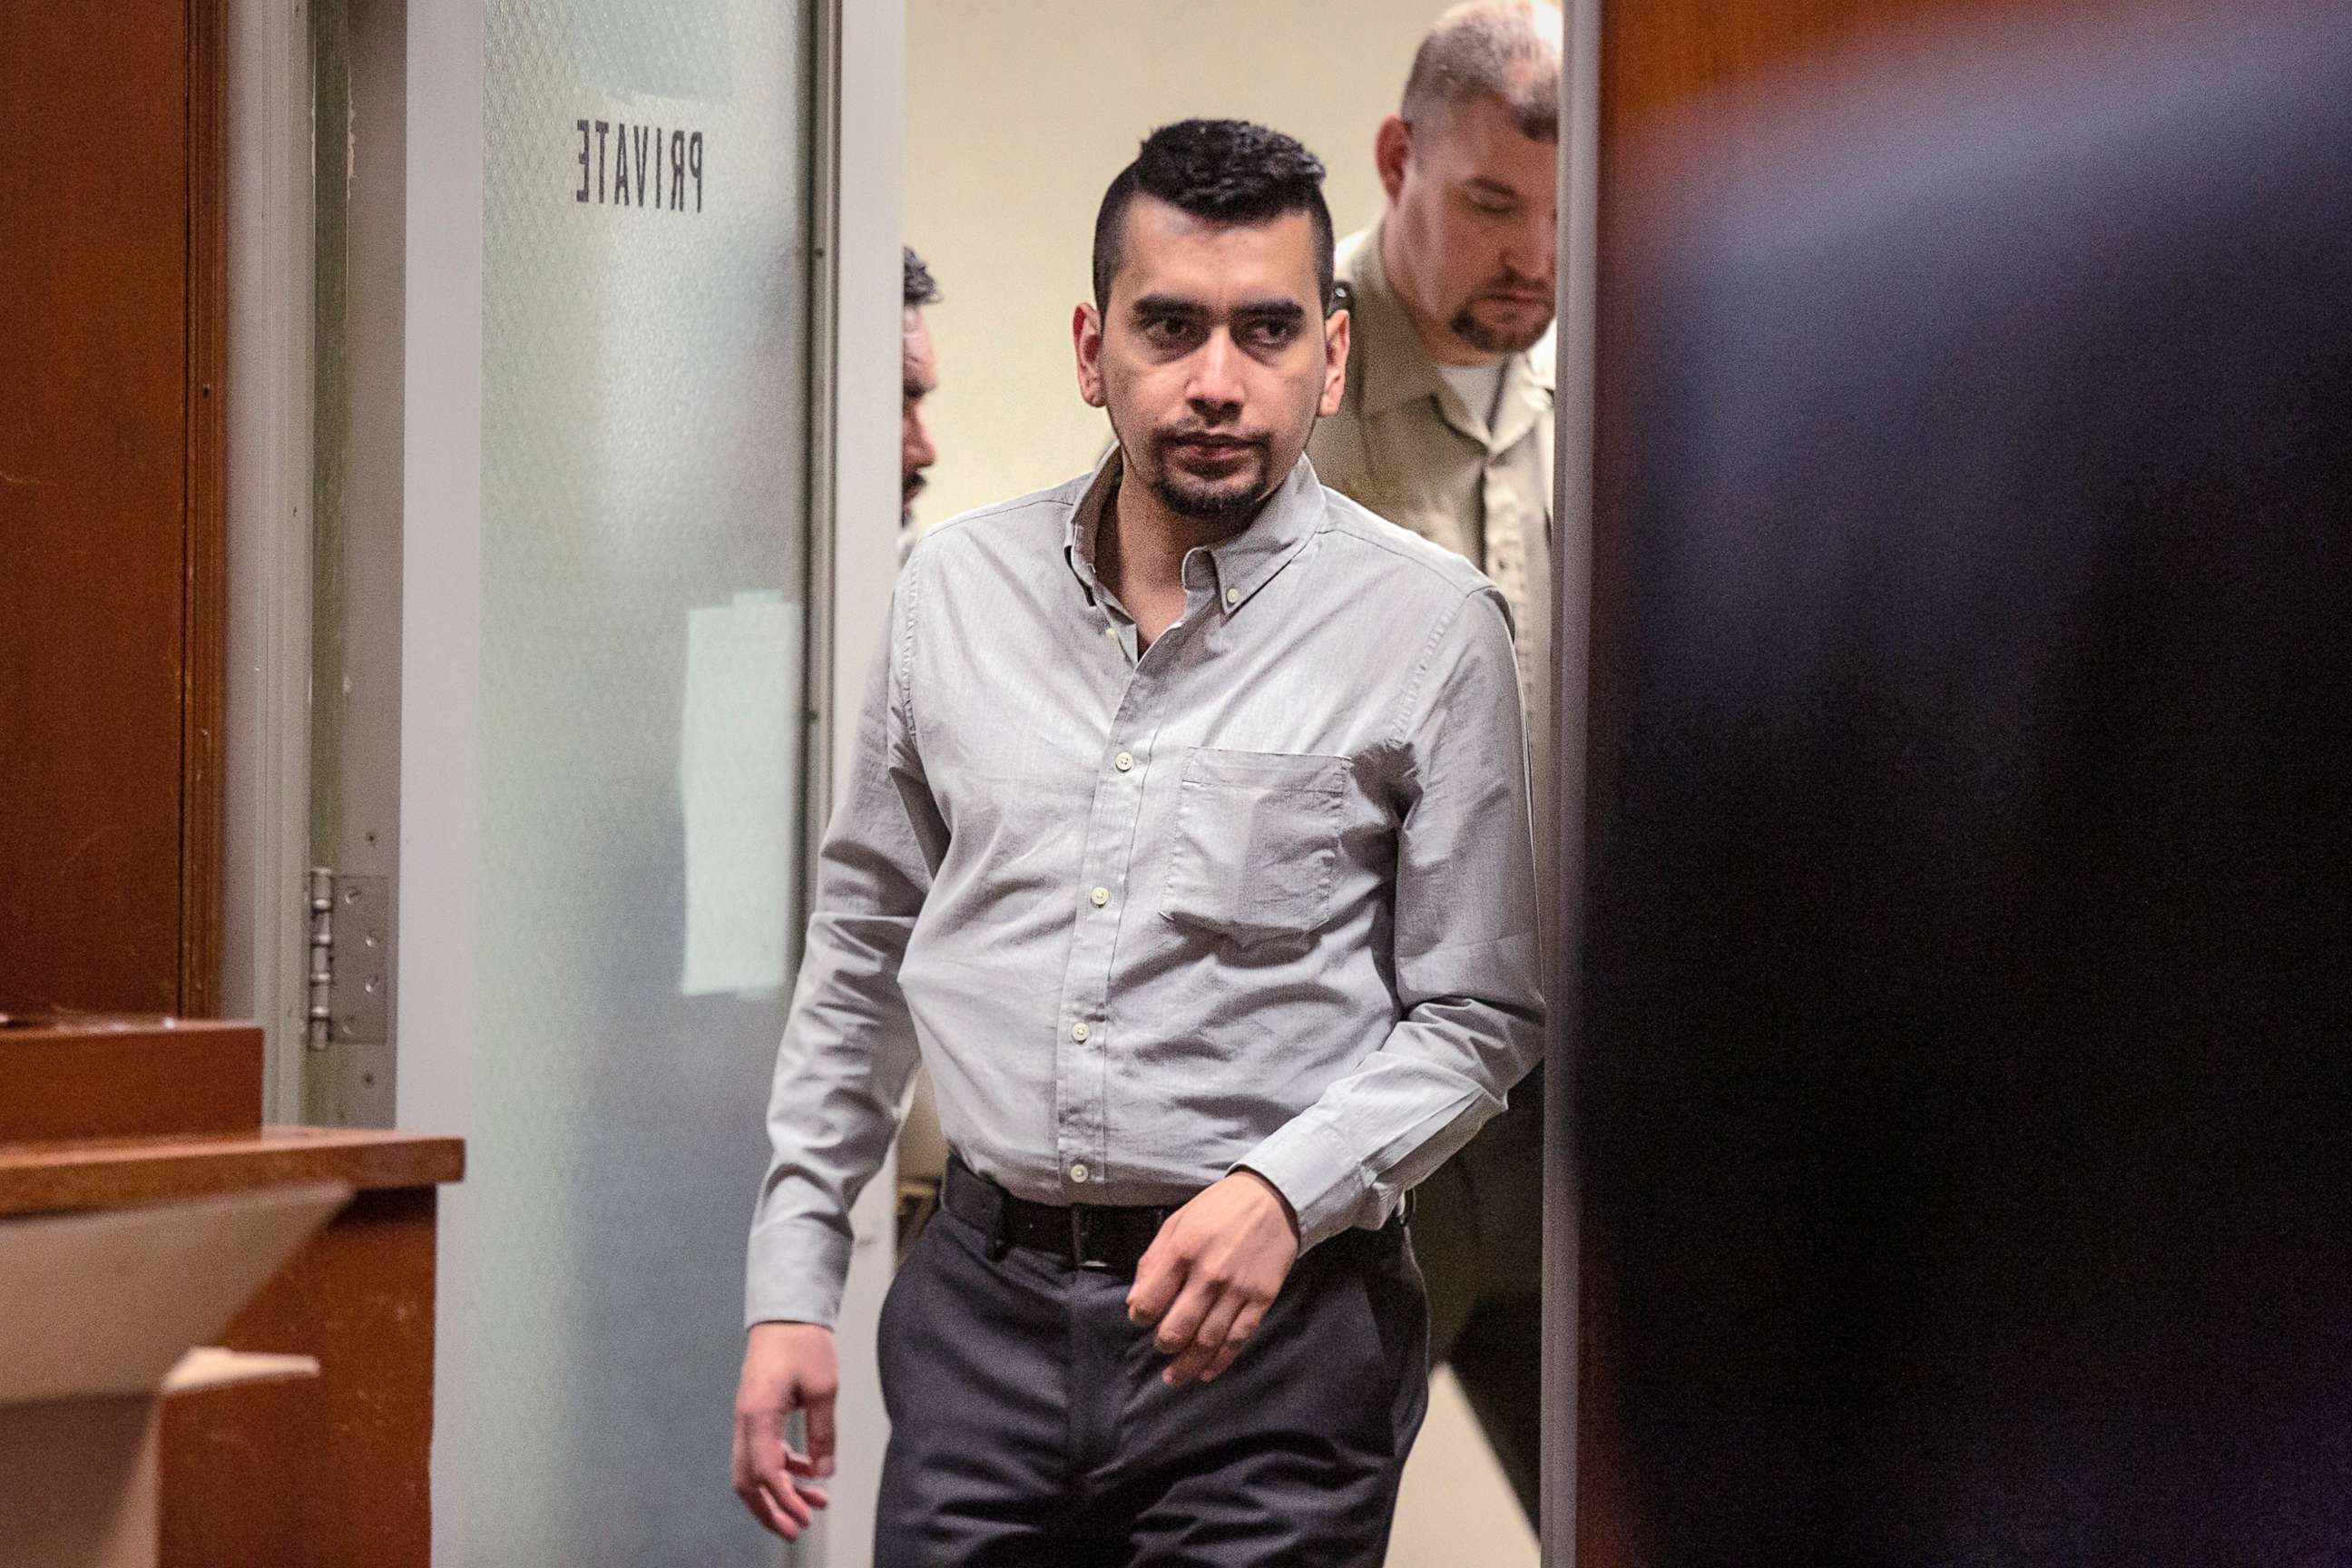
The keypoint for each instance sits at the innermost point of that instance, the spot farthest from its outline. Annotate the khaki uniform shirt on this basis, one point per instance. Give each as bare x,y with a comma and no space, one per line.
1403,445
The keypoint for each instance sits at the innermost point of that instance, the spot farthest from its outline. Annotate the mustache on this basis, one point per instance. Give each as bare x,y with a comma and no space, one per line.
912,486
1174,434
1516,289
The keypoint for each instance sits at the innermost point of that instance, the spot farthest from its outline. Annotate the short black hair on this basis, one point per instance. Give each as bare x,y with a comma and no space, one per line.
1227,171
921,290
1509,50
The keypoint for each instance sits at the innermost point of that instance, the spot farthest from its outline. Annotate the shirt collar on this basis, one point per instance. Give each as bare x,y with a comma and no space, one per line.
1085,523
1397,370
1231,572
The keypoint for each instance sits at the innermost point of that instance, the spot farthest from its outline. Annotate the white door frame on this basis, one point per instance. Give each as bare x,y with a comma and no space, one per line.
861,75
266,742
1572,508
273,540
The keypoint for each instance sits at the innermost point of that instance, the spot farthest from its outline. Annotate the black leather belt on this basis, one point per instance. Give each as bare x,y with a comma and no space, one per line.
1108,1237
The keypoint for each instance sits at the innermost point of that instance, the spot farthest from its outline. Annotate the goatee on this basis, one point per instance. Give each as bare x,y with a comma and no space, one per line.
1217,508
1470,329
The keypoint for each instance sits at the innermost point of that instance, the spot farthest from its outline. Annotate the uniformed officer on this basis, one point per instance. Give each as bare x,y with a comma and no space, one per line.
1447,427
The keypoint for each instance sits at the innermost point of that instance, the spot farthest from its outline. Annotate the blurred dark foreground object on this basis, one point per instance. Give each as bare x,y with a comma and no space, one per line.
1966,1110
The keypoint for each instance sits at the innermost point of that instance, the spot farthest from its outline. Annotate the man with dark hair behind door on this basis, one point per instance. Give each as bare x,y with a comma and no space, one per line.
918,373
1446,428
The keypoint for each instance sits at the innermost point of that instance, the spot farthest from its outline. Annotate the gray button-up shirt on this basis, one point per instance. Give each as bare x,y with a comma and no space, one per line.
1260,897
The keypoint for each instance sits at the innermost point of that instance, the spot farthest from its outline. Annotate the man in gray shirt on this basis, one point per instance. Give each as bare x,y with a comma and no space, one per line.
1188,844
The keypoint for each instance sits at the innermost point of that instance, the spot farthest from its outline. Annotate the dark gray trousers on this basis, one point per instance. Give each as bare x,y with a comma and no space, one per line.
1029,1428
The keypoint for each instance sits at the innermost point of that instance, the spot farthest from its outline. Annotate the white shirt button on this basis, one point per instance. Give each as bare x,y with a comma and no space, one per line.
1079,1032
1079,1172
1101,896
1123,761
1233,597
1111,632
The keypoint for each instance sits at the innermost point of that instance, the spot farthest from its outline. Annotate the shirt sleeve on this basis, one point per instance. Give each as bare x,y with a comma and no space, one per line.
849,1048
1466,957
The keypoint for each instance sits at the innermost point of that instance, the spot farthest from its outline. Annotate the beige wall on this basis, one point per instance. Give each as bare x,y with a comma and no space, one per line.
1018,114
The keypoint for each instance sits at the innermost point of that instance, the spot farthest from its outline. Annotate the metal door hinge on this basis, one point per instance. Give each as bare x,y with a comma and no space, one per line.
351,932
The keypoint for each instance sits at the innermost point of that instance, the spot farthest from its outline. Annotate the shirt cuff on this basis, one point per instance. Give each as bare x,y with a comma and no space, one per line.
1313,1168
795,1273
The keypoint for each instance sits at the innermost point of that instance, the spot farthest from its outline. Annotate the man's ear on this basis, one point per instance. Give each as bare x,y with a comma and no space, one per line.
1335,363
1086,336
1391,147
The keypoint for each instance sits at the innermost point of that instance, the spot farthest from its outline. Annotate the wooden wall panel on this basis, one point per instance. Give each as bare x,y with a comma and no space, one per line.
1663,55
1671,71
326,1472
180,1079
111,531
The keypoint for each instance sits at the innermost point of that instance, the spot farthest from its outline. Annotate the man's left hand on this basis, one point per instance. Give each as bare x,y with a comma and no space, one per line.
1211,1274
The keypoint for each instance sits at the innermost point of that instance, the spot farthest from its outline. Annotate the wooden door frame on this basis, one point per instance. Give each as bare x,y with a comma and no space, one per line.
205,606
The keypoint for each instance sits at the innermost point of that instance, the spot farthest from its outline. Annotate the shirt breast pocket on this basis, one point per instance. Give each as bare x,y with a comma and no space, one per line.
1255,845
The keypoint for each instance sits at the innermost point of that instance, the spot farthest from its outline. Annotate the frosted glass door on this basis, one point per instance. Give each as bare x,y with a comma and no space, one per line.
644,384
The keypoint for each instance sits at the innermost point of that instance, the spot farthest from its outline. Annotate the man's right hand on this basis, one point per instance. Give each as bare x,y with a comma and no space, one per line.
786,1367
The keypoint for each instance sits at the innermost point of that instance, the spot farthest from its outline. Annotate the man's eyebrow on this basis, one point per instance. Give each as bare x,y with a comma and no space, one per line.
1167,305
1277,308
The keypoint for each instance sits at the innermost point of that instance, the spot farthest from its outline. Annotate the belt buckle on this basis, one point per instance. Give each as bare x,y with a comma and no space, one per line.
1078,1257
